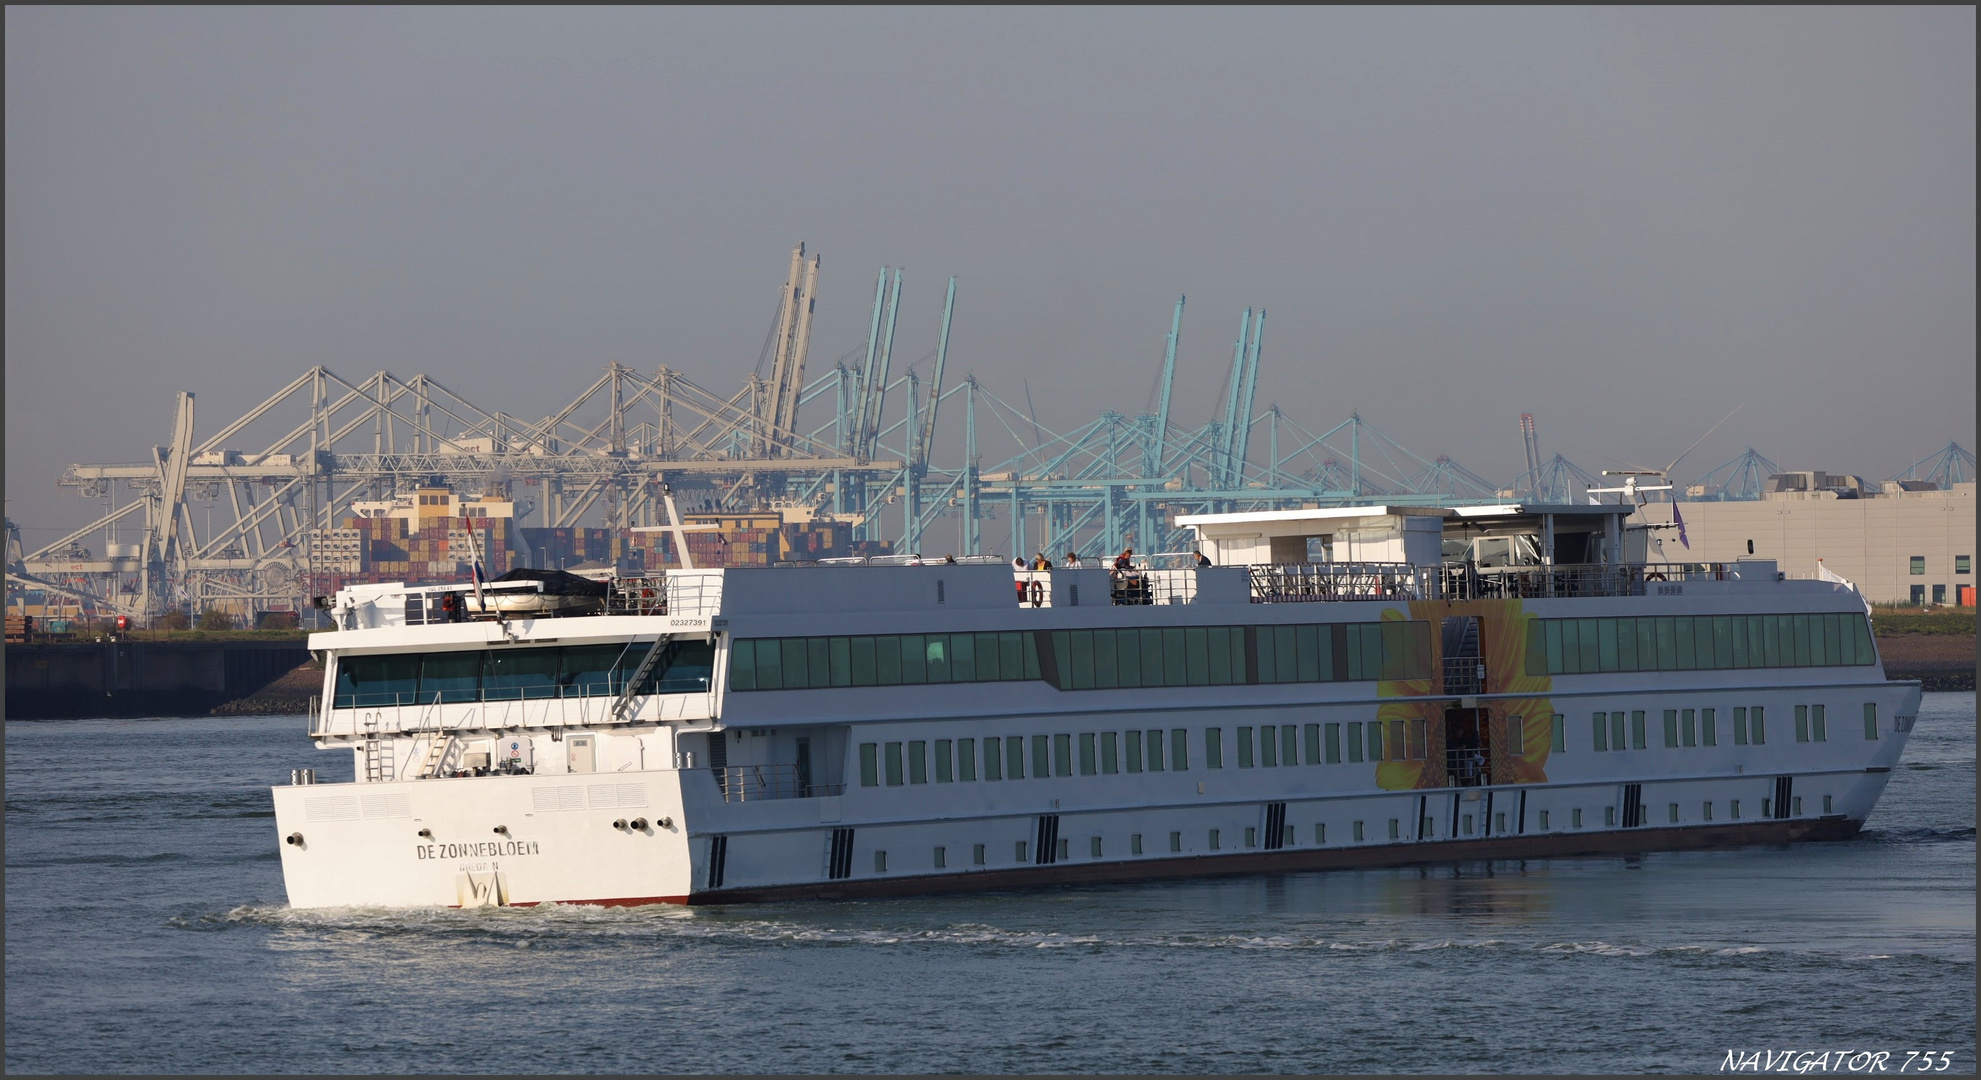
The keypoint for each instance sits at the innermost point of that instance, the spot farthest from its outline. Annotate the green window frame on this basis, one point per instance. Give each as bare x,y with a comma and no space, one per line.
1802,723
1244,747
1179,750
1601,740
993,758
1268,746
1014,757
1870,720
1110,753
944,771
891,753
1289,745
1637,729
1132,749
869,764
1558,734
1354,741
1213,748
1041,757
1153,747
918,762
966,759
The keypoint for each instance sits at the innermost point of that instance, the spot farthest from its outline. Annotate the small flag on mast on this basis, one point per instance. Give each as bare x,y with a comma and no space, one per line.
1679,520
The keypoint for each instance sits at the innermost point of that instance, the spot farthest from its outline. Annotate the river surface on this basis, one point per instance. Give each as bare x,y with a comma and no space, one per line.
147,932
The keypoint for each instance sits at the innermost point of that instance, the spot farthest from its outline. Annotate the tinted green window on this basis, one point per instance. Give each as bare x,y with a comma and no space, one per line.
1626,644
914,659
887,661
1333,732
589,670
1740,727
1682,633
993,758
1213,748
743,665
1816,725
1835,648
1041,757
1555,660
1244,748
1800,624
1014,757
1088,765
1671,727
988,665
1105,672
1179,750
1175,665
796,663
1757,731
517,674
1860,636
1372,649
1152,666
1870,720
817,663
1286,653
1079,670
1647,644
1312,733
1591,651
944,770
1197,656
1153,747
1031,645
1110,753
935,657
1263,640
839,661
1132,750
450,677
1128,657
1736,632
1268,746
1606,658
1010,655
1602,725
1289,745
770,664
1771,651
1220,655
1637,729
1802,723
1062,755
1667,643
861,654
869,765
918,762
892,755
1375,741
1709,728
962,657
1616,730
1558,734
1307,652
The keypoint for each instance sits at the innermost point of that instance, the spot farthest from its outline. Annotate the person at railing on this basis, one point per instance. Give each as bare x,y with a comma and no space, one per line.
1202,559
1040,562
1125,560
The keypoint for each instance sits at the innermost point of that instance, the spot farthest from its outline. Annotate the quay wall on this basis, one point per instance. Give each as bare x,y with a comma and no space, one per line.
141,678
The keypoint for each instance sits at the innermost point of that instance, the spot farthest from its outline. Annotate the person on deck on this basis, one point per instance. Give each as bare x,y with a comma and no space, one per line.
1125,560
1202,559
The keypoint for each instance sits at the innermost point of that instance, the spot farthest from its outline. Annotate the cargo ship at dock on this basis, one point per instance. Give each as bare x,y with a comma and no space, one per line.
1350,687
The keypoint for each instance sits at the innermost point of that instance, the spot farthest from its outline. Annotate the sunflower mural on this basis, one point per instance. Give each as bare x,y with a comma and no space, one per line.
1413,713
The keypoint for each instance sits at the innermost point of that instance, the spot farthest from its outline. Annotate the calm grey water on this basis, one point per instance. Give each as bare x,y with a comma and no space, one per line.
146,932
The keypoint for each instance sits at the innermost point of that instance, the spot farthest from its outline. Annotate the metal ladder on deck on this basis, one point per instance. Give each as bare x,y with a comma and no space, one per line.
436,751
374,753
622,709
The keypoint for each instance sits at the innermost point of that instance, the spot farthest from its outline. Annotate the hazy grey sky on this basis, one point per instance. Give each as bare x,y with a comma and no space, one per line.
1623,221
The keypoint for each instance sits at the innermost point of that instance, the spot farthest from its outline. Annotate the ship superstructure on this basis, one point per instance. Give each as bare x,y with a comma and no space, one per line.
1350,687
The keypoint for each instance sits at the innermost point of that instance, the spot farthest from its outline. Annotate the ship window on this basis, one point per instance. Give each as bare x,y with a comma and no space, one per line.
1709,728
941,858
990,664
1667,634
1041,758
1196,656
1088,766
966,759
1870,720
1802,723
1080,672
1154,749
1110,753
1214,840
796,663
1671,727
1307,651
1740,727
1134,750
1606,657
1829,804
1395,829
1616,730
1150,647
819,651
1213,748
1289,744
1575,818
839,662
1355,742
1757,731
993,762
1244,748
892,755
944,770
515,674
1014,757
1375,741
918,762
1358,828
1819,730
1311,735
861,652
1176,841
1320,833
1106,667
1637,729
1674,813
1795,806
1135,844
1062,755
1419,743
869,764
1220,655
1268,747
1061,852
1557,734
935,657
912,657
1333,732
1019,851
1516,735
1179,749
1093,846
1609,817
1175,665
1010,655
1544,819
1251,836
742,665
887,660
1601,726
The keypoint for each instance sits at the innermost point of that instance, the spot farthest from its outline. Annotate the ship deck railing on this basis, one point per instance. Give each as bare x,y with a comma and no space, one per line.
1322,582
760,783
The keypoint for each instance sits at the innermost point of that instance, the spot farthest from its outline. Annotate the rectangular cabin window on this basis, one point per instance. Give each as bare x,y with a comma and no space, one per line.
869,764
1011,655
993,758
1757,731
1154,749
1135,844
913,658
1020,852
1213,748
1355,742
1133,751
1088,765
1516,735
892,755
1601,727
1419,739
1176,841
1375,741
887,661
1079,672
743,665
1220,655
1557,734
962,657
1041,757
1802,723
516,674
1333,734
1637,729
941,858
1268,746
1014,757
1616,730
839,661
1671,727
1687,734
1311,734
918,762
1709,729
1175,664
966,759
797,665
1739,726
1106,672
1062,755
1152,666
1870,720
1110,753
935,658
819,651
1289,744
1817,727
1196,656
1128,657
1179,749
944,767
1244,748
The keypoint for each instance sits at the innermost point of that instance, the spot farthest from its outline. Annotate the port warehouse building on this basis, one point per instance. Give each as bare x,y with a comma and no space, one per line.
1898,546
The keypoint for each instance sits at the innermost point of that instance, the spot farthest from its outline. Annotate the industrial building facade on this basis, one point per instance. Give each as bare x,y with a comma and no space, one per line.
1899,547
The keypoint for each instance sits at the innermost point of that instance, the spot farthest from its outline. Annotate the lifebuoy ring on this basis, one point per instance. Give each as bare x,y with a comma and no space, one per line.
1038,593
1654,576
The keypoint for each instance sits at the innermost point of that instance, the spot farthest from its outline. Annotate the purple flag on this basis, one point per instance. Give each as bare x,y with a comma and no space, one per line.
1679,520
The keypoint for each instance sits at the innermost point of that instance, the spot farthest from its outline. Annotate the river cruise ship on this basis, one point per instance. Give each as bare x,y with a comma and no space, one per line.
1353,687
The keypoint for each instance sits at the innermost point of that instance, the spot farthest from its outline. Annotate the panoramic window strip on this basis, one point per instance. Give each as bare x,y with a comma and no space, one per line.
1697,642
523,674
1101,659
